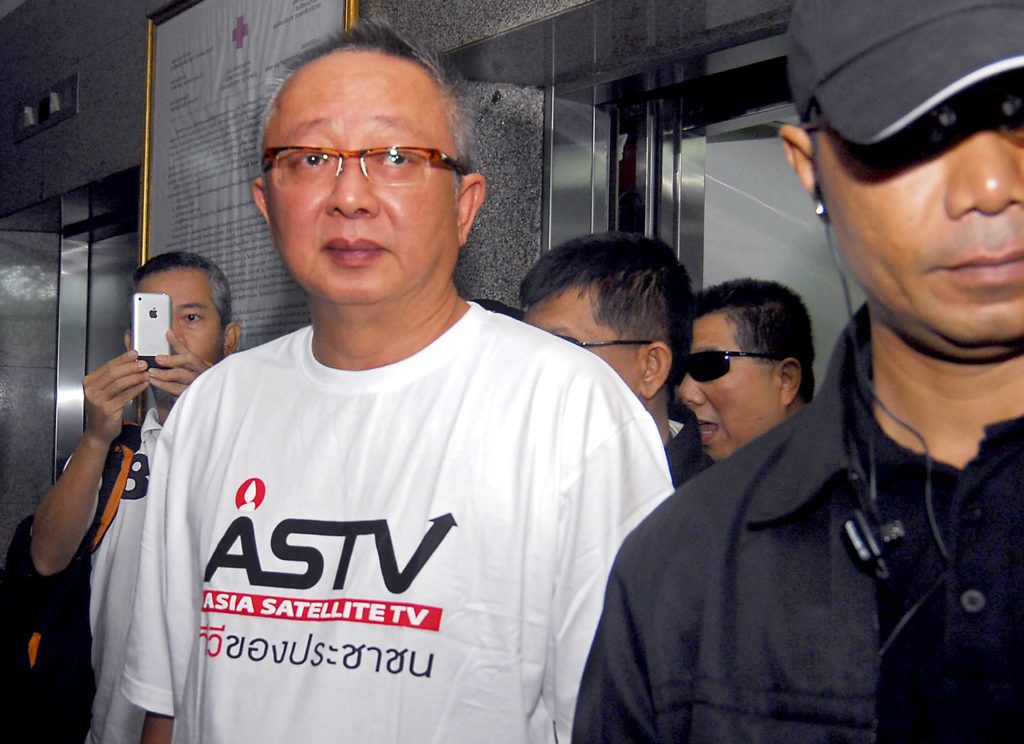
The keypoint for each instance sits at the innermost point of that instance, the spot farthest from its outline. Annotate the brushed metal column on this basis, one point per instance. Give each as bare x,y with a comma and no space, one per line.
72,334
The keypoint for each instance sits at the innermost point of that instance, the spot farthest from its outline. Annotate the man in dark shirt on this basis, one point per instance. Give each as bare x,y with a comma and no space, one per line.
626,298
856,574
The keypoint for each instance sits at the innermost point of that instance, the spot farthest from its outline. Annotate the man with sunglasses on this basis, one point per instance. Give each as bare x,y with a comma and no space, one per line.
751,362
626,298
855,574
317,568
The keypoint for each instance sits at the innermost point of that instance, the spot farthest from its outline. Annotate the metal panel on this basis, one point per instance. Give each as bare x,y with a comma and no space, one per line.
690,212
29,272
665,216
600,170
547,170
71,342
111,263
577,175
652,168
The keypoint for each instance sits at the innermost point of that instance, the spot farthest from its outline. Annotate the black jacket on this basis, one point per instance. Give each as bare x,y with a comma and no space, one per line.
685,454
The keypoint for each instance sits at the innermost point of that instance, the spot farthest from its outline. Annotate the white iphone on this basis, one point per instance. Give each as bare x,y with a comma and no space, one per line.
151,318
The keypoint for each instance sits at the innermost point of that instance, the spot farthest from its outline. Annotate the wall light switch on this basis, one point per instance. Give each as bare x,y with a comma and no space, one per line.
58,103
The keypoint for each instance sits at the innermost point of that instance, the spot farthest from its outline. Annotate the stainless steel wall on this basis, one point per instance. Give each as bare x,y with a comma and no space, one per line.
29,273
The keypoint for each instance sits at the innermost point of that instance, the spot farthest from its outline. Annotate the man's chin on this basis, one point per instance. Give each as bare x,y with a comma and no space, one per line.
971,346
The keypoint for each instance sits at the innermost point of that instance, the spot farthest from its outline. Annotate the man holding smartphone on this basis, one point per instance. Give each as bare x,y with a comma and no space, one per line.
201,333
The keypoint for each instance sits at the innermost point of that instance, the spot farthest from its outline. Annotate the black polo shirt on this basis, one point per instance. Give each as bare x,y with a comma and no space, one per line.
951,629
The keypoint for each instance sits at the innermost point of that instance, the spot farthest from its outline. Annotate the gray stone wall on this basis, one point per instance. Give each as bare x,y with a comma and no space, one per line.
505,240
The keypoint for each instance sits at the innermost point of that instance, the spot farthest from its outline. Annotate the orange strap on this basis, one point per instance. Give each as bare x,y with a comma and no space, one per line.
115,496
33,648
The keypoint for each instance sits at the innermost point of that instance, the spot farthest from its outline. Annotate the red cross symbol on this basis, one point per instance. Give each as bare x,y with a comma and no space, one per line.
240,32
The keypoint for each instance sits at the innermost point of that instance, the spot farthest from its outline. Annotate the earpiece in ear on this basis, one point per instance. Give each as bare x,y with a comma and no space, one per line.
819,205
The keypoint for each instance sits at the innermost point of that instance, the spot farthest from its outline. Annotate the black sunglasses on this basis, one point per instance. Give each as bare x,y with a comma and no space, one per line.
705,366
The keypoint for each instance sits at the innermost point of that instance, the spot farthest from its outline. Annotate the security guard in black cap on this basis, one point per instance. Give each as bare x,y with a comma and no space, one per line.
857,575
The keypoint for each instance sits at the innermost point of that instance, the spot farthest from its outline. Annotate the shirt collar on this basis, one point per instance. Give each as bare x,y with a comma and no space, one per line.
151,423
832,437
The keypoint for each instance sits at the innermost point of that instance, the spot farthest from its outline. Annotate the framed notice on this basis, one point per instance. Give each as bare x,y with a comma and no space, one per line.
212,64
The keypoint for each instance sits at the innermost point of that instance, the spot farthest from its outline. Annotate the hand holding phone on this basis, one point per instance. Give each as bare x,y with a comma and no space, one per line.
151,319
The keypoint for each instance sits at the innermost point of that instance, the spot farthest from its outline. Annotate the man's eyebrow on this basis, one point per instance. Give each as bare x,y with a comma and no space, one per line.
707,347
312,124
193,306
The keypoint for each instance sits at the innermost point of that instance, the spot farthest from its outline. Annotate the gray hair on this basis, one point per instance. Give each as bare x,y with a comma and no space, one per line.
378,36
220,292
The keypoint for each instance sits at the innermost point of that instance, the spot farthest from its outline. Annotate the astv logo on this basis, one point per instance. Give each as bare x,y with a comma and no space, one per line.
250,495
239,549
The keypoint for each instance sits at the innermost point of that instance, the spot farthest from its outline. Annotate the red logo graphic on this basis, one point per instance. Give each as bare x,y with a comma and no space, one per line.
336,609
250,495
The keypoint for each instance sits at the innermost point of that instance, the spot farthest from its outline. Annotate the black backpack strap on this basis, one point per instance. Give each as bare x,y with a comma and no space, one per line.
115,475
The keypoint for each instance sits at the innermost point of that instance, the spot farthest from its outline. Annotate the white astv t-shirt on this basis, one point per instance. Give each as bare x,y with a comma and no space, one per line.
416,552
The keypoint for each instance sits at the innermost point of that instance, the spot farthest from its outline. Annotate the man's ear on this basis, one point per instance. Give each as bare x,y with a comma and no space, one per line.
472,191
127,340
232,332
656,362
259,195
788,375
799,149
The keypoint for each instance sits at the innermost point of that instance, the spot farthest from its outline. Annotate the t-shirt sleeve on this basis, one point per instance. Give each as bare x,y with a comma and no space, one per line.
621,481
147,678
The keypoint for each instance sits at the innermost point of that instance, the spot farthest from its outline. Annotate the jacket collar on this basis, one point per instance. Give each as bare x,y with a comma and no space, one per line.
820,439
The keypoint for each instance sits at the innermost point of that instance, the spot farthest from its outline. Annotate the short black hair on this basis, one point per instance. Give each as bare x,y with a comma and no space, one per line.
220,291
770,318
640,288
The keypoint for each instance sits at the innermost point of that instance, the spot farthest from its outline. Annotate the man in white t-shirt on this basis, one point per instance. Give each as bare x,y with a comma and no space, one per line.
395,524
201,334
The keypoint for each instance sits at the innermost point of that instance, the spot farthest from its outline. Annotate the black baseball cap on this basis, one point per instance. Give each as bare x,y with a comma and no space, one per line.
875,66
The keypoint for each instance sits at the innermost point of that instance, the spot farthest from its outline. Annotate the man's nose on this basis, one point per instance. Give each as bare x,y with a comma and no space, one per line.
351,192
986,174
690,393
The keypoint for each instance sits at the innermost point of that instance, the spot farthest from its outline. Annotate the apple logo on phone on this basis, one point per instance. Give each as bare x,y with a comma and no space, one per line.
152,312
